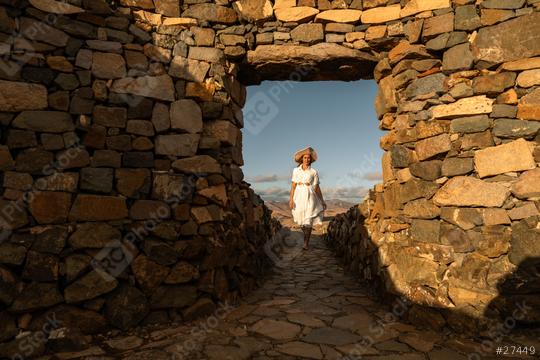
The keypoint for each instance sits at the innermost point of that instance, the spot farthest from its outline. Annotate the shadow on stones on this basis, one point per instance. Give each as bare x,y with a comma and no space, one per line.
518,304
516,309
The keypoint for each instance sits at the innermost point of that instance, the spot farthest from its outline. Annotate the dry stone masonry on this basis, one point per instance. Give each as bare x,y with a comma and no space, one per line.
123,196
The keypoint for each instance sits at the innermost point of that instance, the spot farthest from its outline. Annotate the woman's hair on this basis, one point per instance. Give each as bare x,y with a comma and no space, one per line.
301,161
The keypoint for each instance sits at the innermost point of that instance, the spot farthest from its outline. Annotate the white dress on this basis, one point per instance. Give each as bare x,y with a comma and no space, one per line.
308,209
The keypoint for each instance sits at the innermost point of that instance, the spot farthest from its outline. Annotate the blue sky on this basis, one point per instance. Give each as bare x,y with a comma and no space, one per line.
336,118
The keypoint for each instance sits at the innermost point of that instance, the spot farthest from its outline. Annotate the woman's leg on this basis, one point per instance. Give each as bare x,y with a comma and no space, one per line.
307,234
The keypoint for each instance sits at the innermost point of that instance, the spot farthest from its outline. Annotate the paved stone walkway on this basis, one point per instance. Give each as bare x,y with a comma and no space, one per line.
308,308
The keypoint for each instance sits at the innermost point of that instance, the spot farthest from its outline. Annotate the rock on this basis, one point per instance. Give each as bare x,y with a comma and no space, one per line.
381,14
400,156
432,146
149,209
493,84
186,115
522,64
157,87
36,296
503,4
18,96
427,170
46,33
166,186
167,297
96,180
509,40
438,25
148,273
425,230
465,218
133,182
40,267
204,214
457,58
421,209
495,217
421,341
523,212
297,14
254,10
8,327
33,161
197,164
525,242
126,343
212,13
493,16
182,272
425,85
417,6
527,185
330,336
202,307
98,208
470,124
177,145
276,329
511,128
308,33
170,8
50,207
188,69
108,66
386,96
504,111
467,18
512,156
457,166
477,140
44,121
300,349
94,236
277,62
97,282
528,108
469,191
126,307
223,130
50,239
529,78
464,107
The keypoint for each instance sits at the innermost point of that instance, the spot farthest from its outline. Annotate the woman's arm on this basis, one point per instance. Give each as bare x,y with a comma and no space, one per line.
291,196
319,192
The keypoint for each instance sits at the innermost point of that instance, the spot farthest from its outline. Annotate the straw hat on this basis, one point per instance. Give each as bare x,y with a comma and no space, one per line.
309,150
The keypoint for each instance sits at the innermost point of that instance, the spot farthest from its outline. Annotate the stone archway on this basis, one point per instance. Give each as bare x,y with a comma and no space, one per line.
120,125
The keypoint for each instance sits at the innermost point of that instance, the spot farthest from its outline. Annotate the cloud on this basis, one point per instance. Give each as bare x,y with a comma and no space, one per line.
273,192
345,193
268,178
370,176
373,176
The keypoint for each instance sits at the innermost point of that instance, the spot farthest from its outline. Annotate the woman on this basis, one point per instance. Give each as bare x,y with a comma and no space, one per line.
306,200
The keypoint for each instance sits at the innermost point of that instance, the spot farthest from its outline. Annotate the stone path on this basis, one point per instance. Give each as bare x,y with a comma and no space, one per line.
308,308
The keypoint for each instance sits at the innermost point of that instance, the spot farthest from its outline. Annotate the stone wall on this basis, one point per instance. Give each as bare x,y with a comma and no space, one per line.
121,120
455,224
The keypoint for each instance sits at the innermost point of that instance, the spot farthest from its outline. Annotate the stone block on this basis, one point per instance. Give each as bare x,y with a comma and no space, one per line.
512,156
469,191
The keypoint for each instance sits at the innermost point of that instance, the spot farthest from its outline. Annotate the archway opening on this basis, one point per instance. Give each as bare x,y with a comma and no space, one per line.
336,118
